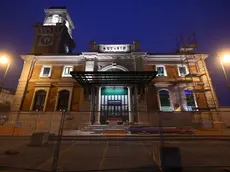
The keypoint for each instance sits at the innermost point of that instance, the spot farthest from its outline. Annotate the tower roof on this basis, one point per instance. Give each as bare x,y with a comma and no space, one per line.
60,10
58,7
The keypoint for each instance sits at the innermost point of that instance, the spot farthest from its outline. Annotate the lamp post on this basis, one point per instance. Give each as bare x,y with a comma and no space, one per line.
4,60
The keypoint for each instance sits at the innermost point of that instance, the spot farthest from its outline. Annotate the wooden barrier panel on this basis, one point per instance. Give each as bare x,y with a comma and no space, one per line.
176,119
114,132
156,154
9,130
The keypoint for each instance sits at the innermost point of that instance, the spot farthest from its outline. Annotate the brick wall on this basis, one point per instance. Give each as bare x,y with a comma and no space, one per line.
56,72
28,97
52,96
77,98
79,68
53,48
201,100
192,68
152,99
152,105
78,92
172,71
36,72
149,67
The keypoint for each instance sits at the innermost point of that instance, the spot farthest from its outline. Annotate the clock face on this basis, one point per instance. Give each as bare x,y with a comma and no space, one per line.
46,40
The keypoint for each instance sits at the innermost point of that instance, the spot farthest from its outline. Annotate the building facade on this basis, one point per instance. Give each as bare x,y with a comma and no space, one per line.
47,83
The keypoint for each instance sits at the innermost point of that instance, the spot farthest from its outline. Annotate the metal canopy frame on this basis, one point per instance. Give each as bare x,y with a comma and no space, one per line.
100,78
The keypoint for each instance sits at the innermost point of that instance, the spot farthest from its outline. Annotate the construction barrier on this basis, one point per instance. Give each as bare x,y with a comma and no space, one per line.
11,130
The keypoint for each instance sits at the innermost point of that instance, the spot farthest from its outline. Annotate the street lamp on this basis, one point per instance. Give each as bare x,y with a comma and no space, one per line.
4,60
225,59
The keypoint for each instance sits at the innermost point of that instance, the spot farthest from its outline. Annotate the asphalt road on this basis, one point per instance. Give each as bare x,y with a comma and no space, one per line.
101,155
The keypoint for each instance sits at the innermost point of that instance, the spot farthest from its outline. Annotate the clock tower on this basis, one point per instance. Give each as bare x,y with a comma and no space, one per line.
54,35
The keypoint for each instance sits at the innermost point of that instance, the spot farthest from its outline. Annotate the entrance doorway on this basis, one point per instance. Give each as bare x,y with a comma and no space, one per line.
114,103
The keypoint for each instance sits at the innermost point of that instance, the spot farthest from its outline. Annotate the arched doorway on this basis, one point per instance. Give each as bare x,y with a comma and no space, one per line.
63,100
39,100
164,98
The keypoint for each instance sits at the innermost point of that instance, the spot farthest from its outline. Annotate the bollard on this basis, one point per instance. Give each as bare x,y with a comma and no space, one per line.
170,159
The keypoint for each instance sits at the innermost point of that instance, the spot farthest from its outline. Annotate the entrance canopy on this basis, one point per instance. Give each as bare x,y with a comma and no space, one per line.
113,77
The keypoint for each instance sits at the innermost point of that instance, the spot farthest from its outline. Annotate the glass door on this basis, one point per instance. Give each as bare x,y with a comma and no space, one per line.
114,103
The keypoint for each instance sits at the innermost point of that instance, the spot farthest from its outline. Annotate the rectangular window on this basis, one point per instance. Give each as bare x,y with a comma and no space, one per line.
182,70
66,71
46,71
161,70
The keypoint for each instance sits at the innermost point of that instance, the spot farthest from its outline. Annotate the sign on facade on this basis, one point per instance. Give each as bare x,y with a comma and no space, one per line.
114,48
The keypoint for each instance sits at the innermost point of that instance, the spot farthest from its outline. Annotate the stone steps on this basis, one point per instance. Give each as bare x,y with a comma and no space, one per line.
102,128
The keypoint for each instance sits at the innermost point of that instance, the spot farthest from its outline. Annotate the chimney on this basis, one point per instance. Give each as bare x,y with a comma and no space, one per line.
92,46
137,46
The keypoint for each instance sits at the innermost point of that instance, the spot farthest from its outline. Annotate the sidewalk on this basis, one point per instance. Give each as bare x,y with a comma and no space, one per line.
197,132
194,132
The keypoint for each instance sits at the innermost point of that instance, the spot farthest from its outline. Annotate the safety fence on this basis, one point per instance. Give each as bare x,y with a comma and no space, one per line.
82,145
80,123
27,123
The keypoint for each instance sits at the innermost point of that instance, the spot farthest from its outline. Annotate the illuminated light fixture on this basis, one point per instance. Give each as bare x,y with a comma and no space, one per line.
4,60
226,58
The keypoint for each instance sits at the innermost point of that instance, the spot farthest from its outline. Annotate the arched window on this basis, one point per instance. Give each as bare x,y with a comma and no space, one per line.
114,68
39,100
165,104
63,100
190,100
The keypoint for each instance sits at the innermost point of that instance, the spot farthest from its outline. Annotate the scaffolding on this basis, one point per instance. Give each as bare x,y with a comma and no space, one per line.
197,79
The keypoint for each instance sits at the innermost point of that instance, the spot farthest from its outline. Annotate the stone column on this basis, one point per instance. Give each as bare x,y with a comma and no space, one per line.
89,66
93,101
129,104
136,105
183,102
179,98
87,104
142,107
97,119
22,84
152,104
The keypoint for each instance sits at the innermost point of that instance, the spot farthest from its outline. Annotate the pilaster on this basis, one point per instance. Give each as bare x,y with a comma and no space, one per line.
26,73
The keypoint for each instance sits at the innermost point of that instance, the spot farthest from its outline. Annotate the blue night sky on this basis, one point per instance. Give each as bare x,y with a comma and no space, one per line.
156,23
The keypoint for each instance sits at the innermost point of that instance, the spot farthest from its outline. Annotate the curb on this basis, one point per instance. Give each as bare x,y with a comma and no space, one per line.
136,137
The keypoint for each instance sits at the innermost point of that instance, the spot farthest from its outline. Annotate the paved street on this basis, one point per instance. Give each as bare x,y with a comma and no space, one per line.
99,155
